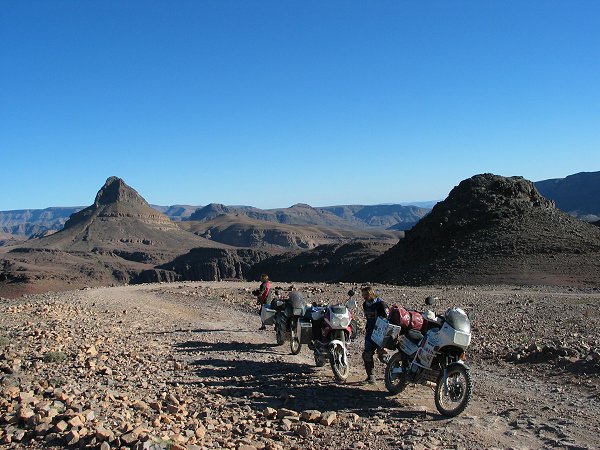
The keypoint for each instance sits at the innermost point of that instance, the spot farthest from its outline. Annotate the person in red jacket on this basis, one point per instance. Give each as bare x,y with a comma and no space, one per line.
263,294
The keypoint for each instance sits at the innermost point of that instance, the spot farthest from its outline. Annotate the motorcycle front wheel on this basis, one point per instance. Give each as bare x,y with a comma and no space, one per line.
395,373
279,334
295,344
453,390
339,363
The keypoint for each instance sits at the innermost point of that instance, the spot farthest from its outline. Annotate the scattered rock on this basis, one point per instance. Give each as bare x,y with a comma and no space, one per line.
327,418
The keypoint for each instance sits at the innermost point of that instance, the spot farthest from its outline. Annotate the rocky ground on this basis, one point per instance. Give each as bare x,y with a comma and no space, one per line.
181,365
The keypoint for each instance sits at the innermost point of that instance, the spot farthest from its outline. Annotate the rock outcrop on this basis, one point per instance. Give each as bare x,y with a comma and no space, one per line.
492,229
328,263
215,264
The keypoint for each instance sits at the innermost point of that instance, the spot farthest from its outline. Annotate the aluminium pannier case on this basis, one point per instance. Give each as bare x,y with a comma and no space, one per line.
385,334
305,333
267,315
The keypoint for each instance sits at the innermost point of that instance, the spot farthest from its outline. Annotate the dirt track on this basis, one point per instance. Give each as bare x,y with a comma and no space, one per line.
204,347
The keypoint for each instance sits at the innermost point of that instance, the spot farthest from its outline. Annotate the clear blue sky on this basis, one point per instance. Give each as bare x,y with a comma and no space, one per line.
272,103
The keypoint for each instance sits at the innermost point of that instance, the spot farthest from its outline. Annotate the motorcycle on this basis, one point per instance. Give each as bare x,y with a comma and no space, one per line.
332,329
435,353
288,311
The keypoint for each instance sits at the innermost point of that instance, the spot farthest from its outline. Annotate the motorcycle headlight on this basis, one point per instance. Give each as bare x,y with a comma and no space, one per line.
340,322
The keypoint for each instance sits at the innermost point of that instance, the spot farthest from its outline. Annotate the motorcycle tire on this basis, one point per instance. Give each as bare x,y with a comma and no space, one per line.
295,344
395,383
458,389
279,335
340,370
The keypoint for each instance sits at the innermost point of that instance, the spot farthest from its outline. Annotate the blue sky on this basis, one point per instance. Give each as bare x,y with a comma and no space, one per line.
271,103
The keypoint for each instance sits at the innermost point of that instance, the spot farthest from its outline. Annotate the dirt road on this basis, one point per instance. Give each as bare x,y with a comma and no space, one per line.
191,356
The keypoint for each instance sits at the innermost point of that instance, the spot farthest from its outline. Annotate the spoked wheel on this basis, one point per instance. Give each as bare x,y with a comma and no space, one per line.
453,390
395,373
339,363
279,334
295,344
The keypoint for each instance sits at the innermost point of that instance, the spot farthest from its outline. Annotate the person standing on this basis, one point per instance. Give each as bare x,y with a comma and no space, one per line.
373,308
262,294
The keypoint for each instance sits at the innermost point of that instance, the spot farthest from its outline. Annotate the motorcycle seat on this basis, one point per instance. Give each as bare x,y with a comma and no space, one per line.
414,335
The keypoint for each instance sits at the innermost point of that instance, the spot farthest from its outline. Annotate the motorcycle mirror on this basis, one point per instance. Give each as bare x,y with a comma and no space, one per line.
351,293
430,301
350,304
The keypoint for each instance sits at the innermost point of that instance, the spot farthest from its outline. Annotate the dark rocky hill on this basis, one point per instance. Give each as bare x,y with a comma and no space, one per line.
578,194
492,229
215,264
327,263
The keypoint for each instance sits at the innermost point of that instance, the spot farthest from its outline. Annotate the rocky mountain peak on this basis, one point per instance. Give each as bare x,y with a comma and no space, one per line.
490,192
115,190
482,200
495,228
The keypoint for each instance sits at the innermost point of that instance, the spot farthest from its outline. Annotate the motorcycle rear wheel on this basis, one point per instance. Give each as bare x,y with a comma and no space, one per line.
396,382
295,344
453,396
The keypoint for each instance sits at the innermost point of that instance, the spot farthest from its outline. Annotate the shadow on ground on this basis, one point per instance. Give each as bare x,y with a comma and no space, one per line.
277,383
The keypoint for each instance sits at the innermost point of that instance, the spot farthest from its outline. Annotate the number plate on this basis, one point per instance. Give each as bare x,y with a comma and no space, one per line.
379,332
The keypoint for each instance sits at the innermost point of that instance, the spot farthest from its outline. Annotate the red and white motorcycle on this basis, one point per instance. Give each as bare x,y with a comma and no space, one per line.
333,328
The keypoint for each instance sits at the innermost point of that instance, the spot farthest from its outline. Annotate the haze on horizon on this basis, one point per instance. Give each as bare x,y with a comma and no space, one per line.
275,103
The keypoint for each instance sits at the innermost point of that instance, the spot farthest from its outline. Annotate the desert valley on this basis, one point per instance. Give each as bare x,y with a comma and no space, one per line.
131,326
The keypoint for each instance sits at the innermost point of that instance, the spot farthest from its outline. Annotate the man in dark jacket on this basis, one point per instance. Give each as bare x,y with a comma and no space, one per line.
263,294
373,308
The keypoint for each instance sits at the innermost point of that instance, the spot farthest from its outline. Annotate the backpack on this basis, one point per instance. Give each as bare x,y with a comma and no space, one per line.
410,320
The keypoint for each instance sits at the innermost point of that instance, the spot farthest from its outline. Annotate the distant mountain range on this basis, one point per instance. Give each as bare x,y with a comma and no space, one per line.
396,217
490,229
24,224
578,195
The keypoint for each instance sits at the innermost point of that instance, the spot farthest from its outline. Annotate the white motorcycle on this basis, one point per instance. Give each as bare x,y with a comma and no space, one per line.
332,329
435,354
